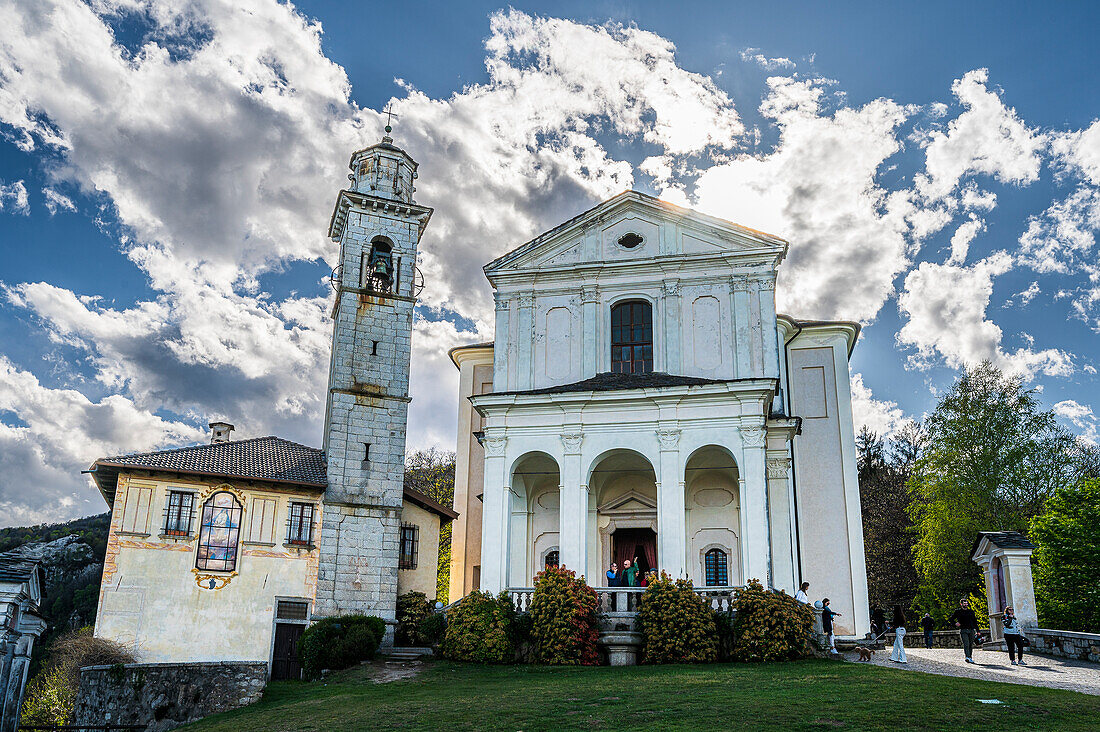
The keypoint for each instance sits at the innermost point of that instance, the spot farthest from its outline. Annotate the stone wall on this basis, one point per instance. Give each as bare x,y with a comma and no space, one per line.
940,639
1064,643
164,696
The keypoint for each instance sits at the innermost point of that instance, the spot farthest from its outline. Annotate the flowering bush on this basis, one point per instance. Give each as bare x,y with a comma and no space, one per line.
769,626
339,642
677,624
563,616
481,629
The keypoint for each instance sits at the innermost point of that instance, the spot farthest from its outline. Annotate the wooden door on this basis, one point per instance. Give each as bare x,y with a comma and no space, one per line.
284,660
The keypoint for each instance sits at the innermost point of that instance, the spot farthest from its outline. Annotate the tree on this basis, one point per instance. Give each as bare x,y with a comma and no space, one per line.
432,472
888,534
1067,558
991,460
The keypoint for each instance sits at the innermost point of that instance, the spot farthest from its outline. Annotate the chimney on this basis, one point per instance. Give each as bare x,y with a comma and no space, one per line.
219,432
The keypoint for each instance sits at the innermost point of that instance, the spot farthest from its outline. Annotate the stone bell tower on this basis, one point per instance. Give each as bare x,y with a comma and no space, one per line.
378,226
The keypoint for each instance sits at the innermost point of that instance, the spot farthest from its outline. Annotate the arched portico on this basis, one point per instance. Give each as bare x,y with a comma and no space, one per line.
533,530
622,509
713,503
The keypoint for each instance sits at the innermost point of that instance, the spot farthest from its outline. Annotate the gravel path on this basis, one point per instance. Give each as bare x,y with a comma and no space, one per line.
1057,673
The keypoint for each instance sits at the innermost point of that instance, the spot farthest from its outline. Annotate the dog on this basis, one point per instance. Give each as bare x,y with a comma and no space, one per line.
865,653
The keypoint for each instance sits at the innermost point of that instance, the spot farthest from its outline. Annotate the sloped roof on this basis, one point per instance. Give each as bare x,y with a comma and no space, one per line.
610,381
271,459
18,569
1003,539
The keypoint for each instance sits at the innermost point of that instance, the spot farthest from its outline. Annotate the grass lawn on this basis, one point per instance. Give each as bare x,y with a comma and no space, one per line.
805,695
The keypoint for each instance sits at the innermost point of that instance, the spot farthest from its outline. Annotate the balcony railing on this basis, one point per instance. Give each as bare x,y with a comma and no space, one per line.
625,599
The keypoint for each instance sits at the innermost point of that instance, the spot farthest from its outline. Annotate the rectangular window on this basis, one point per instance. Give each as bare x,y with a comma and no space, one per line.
178,513
410,538
261,522
291,610
716,566
632,338
135,510
300,524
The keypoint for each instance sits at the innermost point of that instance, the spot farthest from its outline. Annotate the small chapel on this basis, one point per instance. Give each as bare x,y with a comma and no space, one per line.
642,399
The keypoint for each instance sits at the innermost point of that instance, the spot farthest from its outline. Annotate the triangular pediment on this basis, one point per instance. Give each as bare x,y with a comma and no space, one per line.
629,502
631,227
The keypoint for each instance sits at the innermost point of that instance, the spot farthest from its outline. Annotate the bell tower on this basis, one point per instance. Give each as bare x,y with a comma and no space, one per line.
379,227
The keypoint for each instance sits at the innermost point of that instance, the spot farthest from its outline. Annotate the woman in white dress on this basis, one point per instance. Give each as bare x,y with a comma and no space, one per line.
898,653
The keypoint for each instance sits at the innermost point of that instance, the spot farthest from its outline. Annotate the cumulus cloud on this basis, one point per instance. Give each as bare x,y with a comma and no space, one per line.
946,309
883,417
13,196
960,240
57,201
753,56
988,138
1082,417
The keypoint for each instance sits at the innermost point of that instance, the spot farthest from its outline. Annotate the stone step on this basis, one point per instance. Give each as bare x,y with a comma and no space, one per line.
398,653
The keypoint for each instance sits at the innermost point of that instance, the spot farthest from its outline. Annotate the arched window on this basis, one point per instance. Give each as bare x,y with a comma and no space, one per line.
632,337
218,533
551,559
716,563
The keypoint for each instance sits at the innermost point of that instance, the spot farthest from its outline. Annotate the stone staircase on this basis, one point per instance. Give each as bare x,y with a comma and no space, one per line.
406,654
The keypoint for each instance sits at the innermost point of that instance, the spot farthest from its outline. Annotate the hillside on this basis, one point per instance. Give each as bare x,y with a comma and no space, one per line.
72,560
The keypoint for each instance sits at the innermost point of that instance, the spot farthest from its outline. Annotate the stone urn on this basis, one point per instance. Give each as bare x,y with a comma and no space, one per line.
622,646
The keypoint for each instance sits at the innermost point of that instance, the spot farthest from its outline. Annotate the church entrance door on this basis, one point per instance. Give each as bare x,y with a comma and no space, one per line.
284,659
638,545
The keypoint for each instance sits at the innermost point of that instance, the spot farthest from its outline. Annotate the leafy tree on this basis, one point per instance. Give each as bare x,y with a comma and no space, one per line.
1067,558
432,472
991,460
888,535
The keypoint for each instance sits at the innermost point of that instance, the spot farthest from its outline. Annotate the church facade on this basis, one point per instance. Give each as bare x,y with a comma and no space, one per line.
643,400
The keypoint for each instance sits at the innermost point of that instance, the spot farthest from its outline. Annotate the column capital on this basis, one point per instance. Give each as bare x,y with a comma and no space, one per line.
494,446
778,467
571,441
754,436
526,301
669,439
503,303
670,288
590,293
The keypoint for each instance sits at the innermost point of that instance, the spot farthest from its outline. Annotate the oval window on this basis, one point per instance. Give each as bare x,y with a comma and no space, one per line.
630,240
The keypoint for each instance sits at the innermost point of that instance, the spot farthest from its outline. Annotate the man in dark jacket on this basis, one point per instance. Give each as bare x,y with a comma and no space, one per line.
927,624
968,625
827,614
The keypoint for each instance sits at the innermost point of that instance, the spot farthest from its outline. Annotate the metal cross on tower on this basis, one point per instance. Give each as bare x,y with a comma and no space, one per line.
390,114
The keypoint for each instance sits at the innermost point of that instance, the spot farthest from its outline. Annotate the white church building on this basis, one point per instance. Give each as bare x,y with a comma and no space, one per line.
643,399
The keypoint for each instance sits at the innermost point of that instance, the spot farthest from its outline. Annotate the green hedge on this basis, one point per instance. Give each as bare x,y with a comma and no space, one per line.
481,629
678,626
768,625
412,608
339,642
563,618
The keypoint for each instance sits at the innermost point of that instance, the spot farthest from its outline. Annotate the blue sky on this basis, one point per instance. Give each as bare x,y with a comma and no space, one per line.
166,174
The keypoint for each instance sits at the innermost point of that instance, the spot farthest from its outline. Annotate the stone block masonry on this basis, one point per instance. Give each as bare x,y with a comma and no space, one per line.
164,696
1064,643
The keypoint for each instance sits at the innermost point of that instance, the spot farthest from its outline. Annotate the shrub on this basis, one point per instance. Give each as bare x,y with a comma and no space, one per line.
51,695
769,626
678,625
481,629
339,642
412,607
432,629
723,622
563,619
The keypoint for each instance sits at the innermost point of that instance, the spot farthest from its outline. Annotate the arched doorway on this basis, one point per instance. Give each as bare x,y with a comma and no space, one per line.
623,490
712,500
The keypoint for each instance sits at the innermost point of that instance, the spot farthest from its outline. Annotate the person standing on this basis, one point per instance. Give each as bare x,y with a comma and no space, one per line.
878,621
613,579
898,653
1014,637
968,625
630,573
827,615
801,595
927,624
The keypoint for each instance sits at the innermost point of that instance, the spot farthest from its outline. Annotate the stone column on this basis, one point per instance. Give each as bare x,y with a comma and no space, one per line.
755,544
779,514
742,330
671,512
495,516
573,507
590,326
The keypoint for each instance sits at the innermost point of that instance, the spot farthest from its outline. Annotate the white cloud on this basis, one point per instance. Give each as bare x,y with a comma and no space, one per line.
818,189
946,309
1082,417
14,196
960,240
988,138
753,56
57,201
882,417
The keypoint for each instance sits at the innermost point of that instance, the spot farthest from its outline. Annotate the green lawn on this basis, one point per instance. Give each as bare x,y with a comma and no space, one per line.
805,695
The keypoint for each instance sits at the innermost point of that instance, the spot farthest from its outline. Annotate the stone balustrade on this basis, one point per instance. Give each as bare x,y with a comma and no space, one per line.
625,599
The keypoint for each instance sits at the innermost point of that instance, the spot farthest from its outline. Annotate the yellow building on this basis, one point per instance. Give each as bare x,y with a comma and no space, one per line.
213,549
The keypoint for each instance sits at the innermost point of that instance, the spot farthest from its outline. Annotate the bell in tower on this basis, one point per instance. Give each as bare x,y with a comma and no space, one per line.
378,226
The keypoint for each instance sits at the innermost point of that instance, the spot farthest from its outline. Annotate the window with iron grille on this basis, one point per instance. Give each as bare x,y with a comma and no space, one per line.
715,562
178,513
632,337
219,532
300,524
410,540
291,610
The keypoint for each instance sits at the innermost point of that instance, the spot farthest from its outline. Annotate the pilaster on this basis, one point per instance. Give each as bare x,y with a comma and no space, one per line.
573,512
671,508
756,542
